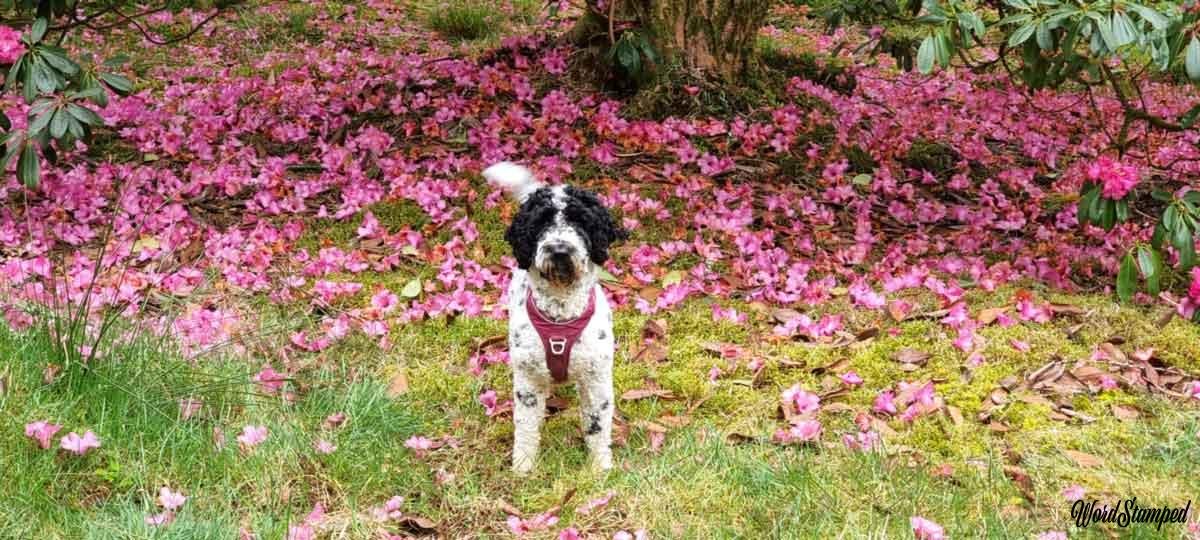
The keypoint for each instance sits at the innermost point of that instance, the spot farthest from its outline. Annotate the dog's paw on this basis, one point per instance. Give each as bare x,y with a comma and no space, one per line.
522,467
602,463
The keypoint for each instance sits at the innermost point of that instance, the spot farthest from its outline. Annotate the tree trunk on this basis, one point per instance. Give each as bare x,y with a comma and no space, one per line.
715,38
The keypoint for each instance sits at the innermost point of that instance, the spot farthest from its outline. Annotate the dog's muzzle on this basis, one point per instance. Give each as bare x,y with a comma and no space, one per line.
560,263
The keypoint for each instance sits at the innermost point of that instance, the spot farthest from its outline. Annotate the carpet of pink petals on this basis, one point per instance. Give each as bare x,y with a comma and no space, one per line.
234,162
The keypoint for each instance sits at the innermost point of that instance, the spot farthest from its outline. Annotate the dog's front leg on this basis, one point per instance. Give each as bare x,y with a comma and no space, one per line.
596,413
528,412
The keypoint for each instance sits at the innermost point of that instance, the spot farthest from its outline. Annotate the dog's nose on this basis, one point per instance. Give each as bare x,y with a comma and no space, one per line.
559,249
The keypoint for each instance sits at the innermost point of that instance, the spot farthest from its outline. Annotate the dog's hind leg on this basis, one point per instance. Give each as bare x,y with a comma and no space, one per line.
596,413
529,409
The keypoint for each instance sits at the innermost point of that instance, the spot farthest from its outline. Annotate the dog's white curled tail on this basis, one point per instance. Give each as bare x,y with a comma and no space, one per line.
515,179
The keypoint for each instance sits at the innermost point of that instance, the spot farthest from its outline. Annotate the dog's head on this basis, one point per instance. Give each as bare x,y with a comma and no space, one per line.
559,231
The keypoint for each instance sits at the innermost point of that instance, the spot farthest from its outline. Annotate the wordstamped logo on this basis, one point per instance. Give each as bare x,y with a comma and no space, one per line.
1127,512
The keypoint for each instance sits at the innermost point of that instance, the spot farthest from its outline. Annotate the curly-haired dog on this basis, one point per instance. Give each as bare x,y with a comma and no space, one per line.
559,321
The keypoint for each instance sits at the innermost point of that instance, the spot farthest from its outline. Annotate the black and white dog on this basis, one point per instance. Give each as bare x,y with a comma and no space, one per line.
559,321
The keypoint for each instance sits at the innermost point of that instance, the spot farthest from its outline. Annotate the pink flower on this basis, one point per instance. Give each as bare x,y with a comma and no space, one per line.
252,436
420,445
158,520
1116,179
570,533
170,500
385,301
1073,492
714,374
322,446
802,432
595,504
11,47
885,402
389,511
639,534
269,379
923,529
1019,345
1108,383
1052,535
851,378
188,407
805,403
539,522
79,445
41,431
1194,391
1194,290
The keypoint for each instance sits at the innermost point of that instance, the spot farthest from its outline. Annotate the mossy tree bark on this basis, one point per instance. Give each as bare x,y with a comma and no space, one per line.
713,37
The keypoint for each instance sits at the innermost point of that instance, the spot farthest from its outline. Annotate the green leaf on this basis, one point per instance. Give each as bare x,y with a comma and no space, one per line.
57,59
942,49
1123,29
117,82
1160,234
1045,40
1122,210
38,31
1125,278
605,275
1181,238
85,115
629,58
674,277
1085,204
1192,197
1150,15
412,289
925,55
1022,34
58,125
1191,61
1171,218
1147,262
1189,117
40,121
28,167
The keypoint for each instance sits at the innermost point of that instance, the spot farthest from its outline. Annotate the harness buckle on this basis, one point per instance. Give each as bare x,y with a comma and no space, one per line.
558,345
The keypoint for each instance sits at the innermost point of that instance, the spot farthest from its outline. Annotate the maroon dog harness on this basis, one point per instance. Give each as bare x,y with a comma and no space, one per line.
559,337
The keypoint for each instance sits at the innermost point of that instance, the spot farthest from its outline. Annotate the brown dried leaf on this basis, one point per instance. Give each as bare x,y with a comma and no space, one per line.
724,350
783,315
654,329
398,386
911,356
739,438
835,366
556,404
416,524
675,421
955,415
1113,352
1084,459
50,373
1022,480
650,293
508,508
998,396
1066,309
651,353
989,315
1126,412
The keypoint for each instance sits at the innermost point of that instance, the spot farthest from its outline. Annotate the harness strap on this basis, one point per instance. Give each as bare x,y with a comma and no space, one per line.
558,338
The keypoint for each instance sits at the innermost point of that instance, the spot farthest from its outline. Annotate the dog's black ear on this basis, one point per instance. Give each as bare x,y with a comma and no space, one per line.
536,213
586,211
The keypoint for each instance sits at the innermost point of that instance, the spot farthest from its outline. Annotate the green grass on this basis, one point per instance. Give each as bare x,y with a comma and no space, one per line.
701,485
463,19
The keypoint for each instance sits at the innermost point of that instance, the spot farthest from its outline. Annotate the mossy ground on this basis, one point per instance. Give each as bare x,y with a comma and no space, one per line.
702,484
